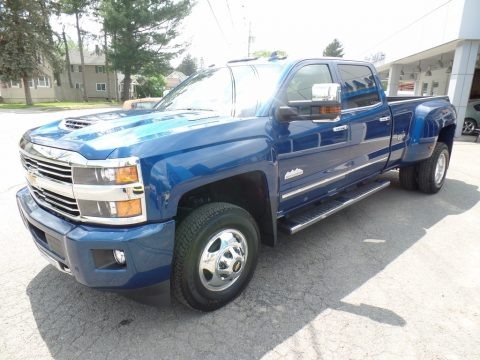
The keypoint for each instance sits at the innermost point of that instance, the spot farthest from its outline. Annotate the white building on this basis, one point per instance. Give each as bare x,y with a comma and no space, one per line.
441,56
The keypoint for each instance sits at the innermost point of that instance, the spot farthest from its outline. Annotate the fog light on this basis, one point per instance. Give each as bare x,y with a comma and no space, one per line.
119,256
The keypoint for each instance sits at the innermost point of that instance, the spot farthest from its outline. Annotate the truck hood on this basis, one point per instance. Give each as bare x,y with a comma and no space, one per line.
96,136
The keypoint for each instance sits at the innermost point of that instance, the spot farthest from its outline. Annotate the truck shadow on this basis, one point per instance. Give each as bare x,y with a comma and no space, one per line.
302,277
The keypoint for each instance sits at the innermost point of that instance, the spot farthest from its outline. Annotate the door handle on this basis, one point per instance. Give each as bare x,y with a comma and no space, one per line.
384,118
340,128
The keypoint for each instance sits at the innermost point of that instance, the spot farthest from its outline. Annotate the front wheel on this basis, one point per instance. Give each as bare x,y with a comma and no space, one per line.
432,171
216,251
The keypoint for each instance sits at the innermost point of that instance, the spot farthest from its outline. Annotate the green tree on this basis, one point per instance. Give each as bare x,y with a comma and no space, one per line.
78,8
334,49
142,32
151,86
26,39
188,65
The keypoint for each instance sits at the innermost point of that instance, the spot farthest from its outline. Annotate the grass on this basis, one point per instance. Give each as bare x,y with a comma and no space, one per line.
61,105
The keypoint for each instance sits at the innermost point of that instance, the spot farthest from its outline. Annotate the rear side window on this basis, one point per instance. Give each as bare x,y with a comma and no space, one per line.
358,86
300,87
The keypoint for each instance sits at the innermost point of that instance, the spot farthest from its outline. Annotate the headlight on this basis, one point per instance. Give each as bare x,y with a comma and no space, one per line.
110,191
105,176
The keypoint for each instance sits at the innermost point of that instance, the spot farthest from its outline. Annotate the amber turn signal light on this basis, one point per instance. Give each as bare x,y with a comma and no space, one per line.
129,208
126,175
329,109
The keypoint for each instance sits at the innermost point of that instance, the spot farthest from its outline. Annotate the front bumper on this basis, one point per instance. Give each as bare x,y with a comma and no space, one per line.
83,250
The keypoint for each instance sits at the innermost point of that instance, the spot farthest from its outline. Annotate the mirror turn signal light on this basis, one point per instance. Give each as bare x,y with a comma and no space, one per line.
329,109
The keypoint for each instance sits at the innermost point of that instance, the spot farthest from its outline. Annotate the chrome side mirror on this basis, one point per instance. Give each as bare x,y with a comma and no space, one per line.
324,105
328,93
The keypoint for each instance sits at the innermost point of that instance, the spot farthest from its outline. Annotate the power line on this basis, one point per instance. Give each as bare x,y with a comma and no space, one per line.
407,26
230,15
216,20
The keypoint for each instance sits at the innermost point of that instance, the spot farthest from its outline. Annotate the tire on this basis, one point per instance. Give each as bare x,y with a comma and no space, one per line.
469,126
408,177
432,171
216,252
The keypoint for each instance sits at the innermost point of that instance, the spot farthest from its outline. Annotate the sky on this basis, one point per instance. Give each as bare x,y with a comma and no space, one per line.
299,27
218,30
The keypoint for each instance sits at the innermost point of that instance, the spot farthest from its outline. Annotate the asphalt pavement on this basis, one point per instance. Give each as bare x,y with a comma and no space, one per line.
396,276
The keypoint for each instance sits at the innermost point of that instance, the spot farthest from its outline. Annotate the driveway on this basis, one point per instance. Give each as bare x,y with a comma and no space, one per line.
395,276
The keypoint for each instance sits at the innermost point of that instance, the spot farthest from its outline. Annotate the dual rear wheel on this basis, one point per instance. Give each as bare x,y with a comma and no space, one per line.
429,175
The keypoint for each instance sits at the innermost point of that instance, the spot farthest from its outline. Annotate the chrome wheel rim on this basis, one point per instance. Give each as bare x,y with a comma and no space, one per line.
223,260
468,127
440,168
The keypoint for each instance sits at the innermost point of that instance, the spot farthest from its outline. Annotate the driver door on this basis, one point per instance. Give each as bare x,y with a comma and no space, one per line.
312,154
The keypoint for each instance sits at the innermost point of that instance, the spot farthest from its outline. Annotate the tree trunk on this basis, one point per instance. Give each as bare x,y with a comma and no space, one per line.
126,85
67,60
114,43
28,94
106,61
82,61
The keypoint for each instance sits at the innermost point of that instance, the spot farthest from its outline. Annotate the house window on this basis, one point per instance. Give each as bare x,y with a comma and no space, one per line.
43,81
15,83
30,83
75,68
101,87
78,86
99,69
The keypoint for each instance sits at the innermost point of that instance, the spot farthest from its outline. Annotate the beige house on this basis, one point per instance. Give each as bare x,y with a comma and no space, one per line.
97,86
45,88
173,79
42,87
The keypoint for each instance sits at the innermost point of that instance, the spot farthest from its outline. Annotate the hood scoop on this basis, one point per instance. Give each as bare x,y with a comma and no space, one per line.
76,123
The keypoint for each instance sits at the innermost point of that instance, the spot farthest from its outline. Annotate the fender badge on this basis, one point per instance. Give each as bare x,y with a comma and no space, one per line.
293,173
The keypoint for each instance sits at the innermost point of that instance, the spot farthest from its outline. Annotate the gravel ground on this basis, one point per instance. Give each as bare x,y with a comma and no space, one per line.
395,276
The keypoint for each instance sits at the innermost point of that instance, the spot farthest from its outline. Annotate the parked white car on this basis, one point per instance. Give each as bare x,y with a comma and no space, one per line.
472,117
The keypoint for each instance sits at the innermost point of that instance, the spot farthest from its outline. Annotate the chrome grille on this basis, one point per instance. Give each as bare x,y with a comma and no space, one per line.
49,169
58,202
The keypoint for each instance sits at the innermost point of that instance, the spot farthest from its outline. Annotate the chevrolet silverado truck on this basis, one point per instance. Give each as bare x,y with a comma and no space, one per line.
182,195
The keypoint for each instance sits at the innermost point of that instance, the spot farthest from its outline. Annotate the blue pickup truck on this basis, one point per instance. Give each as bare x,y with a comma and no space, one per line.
182,195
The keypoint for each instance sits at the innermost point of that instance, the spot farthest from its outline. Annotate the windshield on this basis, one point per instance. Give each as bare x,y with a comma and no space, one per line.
209,90
212,90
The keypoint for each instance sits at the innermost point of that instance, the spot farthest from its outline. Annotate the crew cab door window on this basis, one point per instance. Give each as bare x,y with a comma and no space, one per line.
358,86
300,86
